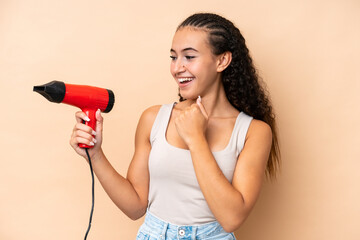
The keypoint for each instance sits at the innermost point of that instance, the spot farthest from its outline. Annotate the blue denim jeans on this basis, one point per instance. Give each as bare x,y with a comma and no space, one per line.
156,229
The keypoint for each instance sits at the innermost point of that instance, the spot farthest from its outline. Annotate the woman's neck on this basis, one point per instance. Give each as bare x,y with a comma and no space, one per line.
216,104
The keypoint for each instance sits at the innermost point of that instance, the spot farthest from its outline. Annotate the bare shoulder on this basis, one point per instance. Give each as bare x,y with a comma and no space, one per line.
150,113
147,118
259,129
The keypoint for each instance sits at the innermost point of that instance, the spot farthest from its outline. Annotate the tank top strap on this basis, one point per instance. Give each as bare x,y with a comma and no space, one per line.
161,122
241,127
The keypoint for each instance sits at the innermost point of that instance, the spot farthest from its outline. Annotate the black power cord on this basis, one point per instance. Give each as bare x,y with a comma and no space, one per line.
92,193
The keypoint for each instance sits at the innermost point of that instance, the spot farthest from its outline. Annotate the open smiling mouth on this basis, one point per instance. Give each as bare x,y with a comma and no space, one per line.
185,81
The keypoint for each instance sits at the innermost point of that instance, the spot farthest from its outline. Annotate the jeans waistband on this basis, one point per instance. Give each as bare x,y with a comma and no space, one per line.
160,229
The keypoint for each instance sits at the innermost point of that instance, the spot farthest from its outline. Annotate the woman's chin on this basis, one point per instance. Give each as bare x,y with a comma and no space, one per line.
188,95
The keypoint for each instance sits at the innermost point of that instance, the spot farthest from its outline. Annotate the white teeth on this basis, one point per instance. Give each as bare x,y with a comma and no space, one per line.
181,80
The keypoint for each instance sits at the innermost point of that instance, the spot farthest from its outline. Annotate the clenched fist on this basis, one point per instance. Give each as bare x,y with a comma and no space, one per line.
191,123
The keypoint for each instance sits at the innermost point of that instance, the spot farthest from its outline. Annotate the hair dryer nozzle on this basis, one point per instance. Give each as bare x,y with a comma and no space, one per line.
111,101
53,91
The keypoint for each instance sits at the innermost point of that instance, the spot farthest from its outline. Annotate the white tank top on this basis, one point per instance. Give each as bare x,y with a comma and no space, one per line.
174,193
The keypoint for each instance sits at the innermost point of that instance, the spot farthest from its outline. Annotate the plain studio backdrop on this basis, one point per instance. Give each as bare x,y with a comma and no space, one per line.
306,51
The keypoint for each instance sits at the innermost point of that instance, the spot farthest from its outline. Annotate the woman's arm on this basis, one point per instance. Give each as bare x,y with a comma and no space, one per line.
230,202
129,194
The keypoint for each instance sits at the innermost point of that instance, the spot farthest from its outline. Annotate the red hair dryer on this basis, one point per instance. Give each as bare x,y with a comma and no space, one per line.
89,99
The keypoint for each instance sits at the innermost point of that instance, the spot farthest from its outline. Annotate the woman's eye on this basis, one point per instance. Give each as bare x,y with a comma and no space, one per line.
173,58
189,57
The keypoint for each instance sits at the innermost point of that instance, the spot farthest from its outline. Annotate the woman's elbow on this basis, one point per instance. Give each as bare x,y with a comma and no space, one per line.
135,212
231,225
136,215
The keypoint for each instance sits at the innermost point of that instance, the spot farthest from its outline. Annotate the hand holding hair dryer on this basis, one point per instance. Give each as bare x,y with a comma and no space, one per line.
88,98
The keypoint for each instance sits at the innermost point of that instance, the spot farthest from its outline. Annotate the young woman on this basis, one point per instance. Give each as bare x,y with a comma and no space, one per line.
198,164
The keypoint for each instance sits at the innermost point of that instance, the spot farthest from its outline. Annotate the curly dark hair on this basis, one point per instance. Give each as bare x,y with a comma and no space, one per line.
240,79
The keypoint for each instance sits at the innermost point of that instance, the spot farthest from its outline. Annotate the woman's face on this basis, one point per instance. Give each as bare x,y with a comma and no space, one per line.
193,65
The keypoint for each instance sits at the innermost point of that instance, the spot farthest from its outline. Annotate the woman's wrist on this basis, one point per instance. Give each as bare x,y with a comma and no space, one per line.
198,143
96,155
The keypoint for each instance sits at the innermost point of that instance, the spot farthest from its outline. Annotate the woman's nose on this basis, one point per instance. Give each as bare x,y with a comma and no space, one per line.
179,66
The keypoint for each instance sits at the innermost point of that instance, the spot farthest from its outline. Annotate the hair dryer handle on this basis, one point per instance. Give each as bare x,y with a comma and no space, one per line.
91,113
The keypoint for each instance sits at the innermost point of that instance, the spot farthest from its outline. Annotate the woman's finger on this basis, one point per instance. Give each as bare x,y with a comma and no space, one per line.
85,135
84,128
78,140
81,117
202,108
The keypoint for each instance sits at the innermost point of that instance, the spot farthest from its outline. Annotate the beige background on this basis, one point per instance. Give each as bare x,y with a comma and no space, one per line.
306,51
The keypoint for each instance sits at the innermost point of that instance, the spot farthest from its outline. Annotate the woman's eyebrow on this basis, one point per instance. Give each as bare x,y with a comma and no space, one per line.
185,49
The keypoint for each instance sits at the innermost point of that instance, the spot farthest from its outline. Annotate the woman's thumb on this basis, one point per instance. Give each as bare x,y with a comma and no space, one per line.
99,120
202,108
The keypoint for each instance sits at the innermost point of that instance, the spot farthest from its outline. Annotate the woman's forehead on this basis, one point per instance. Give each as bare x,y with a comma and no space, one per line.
188,38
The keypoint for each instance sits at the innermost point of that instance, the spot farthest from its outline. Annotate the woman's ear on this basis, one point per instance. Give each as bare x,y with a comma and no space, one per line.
223,61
